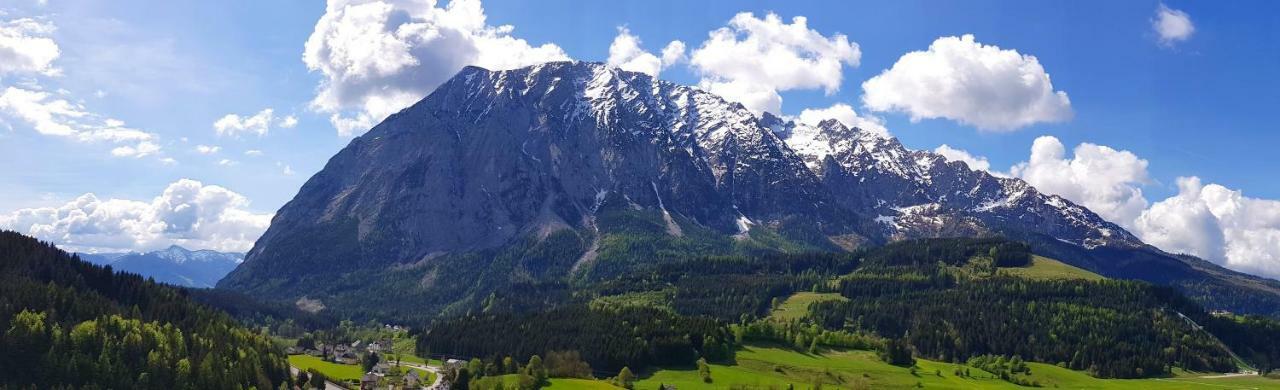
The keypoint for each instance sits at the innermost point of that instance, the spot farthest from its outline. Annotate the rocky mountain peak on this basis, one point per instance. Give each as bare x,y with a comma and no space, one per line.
492,157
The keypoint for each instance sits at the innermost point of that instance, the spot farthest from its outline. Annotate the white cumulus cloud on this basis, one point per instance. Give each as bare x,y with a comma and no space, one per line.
1103,179
1171,25
25,47
288,122
1219,224
843,113
963,80
379,56
234,125
626,54
142,149
751,59
673,53
207,149
187,213
1210,221
977,163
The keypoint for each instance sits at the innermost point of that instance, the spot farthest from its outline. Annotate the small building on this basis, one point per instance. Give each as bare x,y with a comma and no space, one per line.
368,381
381,368
454,364
411,380
347,357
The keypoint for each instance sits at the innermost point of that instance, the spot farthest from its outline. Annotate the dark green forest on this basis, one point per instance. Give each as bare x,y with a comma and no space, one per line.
70,324
941,299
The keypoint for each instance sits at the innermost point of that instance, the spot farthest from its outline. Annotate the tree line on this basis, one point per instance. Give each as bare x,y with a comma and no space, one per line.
68,323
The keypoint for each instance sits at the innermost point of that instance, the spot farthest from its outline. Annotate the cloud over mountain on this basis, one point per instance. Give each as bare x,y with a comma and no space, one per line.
1103,179
187,213
1210,221
961,79
752,59
379,56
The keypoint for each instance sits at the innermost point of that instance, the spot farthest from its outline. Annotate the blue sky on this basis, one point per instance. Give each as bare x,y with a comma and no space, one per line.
1193,106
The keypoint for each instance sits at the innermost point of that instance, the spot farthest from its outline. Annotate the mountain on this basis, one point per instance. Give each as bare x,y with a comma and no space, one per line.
71,324
573,171
174,265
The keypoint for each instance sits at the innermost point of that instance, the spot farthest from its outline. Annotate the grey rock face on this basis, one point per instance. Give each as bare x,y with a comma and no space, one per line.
491,157
914,194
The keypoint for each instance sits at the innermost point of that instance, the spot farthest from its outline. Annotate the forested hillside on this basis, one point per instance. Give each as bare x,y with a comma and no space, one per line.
940,299
68,323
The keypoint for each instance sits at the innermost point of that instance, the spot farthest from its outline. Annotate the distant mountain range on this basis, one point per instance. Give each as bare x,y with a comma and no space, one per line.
575,171
174,265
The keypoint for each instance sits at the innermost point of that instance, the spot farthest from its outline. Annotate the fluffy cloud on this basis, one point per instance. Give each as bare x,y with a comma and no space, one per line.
1171,25
1218,224
625,53
142,149
977,163
26,48
51,115
1101,178
969,82
234,125
751,59
379,56
843,113
187,213
207,149
1211,221
1183,223
288,122
673,53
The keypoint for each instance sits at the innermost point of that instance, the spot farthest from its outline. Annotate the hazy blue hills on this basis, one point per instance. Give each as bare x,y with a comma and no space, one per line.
174,265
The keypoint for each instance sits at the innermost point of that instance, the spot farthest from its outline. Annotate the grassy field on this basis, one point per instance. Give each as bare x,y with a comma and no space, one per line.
797,305
427,377
770,367
584,384
1046,268
344,372
334,371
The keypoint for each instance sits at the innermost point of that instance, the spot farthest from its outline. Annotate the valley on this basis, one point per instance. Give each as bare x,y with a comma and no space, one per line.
677,195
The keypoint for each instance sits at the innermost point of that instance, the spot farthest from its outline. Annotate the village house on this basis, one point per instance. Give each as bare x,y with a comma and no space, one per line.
369,381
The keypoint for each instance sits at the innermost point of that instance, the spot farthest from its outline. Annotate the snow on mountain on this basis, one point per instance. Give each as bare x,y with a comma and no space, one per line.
491,157
921,194
174,265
